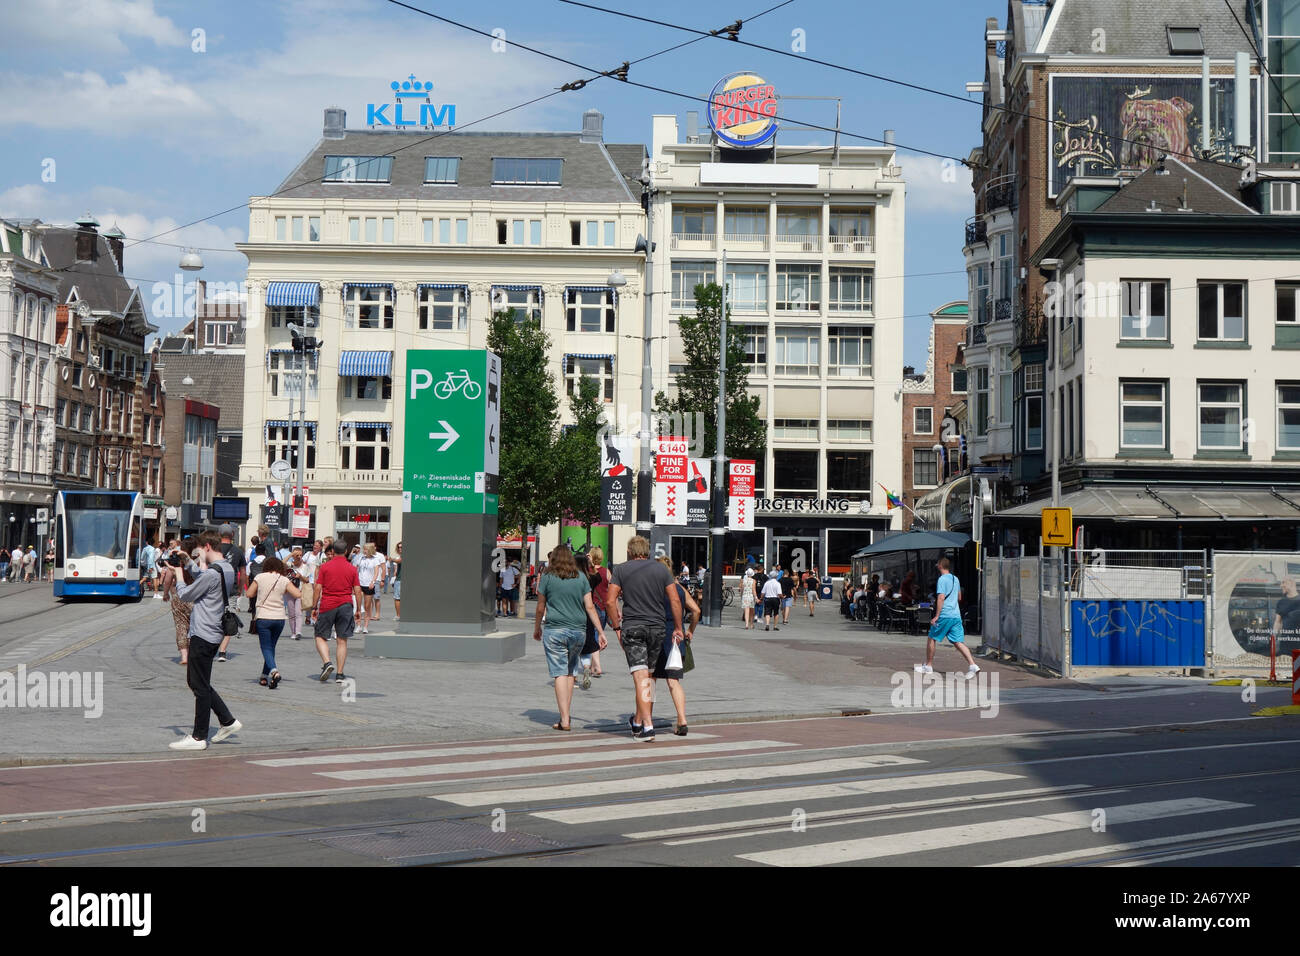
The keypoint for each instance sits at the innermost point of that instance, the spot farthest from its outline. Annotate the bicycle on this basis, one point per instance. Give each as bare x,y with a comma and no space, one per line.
458,382
728,595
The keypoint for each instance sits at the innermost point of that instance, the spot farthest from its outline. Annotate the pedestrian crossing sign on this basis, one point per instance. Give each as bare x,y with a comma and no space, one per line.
1058,527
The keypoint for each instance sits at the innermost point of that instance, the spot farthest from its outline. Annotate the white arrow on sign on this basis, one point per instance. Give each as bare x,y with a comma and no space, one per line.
450,434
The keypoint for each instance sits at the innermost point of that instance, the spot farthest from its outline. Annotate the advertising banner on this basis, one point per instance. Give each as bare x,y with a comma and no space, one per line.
301,527
699,489
741,476
1255,600
672,465
740,514
616,498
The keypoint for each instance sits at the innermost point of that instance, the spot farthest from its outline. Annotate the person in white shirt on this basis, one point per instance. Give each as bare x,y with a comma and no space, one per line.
771,602
381,579
509,577
369,567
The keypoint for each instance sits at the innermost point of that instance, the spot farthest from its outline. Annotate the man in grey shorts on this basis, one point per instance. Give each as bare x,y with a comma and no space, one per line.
639,624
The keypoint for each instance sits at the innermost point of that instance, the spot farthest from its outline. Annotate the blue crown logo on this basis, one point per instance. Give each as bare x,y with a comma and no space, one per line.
411,87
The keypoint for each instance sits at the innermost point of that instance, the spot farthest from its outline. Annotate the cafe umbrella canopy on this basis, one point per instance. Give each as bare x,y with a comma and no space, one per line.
915,541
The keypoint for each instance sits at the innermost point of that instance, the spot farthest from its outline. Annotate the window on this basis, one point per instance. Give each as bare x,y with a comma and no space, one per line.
443,309
981,422
1034,423
1142,414
1220,413
798,288
364,447
609,233
76,379
747,287
286,315
372,229
979,286
284,371
849,429
368,307
354,230
798,351
593,232
848,225
313,228
297,228
1283,196
526,302
534,232
686,276
1006,281
958,381
849,350
850,290
83,457
745,223
188,493
1146,310
1185,41
590,310
694,222
388,229
282,442
217,333
756,349
601,370
793,225
501,232
428,230
848,472
925,468
923,421
1034,377
61,411
794,472
368,388
1222,311
526,172
462,231
1006,398
58,456
441,169
1286,307
358,169
205,489
1288,416
794,428
281,228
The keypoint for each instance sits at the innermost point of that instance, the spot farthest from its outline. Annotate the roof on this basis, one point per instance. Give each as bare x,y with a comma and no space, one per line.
99,283
1138,29
957,308
1158,502
175,343
590,173
218,380
1209,188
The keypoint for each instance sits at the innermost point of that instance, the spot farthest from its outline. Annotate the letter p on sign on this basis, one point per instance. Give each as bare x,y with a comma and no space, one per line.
420,378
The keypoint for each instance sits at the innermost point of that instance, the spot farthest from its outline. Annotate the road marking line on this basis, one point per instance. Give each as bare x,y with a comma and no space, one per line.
1169,858
668,781
919,841
755,798
637,751
1070,855
445,752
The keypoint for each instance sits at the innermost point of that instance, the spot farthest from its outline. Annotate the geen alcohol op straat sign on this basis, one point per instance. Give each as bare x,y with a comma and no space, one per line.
740,502
453,431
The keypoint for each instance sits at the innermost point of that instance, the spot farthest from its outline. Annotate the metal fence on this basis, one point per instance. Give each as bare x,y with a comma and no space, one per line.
1024,609
1136,575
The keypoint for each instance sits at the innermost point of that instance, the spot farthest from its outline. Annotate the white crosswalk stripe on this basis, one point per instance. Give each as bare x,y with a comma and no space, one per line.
918,841
380,756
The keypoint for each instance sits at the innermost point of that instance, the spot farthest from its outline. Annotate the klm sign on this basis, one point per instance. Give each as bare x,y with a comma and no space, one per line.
411,96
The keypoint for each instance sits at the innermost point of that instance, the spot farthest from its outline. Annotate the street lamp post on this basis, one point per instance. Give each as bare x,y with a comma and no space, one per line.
719,529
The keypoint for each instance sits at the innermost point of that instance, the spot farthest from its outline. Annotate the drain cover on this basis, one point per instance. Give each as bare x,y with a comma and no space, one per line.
443,841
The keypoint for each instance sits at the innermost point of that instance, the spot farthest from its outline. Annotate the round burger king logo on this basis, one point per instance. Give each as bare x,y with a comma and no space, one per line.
742,110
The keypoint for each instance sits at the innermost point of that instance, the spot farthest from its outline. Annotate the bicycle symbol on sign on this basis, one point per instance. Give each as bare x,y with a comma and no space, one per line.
458,381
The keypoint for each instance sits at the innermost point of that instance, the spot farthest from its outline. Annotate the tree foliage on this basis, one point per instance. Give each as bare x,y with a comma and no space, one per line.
580,454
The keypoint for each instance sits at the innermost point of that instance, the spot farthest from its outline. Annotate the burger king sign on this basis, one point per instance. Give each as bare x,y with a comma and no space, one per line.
742,110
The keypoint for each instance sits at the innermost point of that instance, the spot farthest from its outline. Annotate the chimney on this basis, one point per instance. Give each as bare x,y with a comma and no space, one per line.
889,137
116,240
336,121
87,238
62,319
692,126
593,127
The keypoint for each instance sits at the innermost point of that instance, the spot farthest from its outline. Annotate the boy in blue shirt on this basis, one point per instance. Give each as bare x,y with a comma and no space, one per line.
946,625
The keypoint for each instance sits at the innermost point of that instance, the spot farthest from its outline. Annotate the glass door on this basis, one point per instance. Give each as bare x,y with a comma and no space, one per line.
797,553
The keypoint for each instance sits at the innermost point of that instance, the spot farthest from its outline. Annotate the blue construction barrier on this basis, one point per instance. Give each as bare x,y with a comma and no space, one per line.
1137,633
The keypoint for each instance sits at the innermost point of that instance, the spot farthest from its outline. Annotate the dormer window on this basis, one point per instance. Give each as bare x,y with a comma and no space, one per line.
1185,41
358,169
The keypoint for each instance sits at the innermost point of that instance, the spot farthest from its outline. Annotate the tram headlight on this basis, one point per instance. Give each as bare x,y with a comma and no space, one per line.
119,567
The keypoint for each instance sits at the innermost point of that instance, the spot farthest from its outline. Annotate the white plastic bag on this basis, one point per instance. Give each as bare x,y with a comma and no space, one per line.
674,662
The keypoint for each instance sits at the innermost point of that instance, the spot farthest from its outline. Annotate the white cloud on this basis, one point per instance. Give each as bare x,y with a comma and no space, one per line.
89,26
937,185
146,100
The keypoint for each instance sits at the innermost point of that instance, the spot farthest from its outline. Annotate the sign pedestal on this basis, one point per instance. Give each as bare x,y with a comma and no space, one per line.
449,490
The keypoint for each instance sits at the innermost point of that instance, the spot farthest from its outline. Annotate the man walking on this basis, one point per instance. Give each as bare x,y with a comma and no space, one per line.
337,588
510,589
788,582
946,625
208,593
639,624
771,601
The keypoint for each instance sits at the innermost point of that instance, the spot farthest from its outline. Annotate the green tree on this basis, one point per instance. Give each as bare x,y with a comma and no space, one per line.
579,453
697,384
530,417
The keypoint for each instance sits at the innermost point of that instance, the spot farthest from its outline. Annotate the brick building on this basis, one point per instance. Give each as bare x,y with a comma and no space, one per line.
928,399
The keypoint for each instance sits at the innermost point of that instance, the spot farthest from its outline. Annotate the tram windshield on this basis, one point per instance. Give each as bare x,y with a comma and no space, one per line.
98,525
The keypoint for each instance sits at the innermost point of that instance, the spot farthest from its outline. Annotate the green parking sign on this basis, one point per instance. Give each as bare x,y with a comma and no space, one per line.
453,431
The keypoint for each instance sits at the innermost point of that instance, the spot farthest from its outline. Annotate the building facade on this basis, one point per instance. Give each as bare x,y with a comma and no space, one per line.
380,254
191,457
813,240
928,402
27,382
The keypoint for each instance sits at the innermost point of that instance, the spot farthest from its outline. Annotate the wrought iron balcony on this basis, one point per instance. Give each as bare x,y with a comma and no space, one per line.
1031,327
1002,310
975,335
1000,193
977,230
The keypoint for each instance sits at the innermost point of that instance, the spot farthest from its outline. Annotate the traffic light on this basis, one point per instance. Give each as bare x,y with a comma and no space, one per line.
302,343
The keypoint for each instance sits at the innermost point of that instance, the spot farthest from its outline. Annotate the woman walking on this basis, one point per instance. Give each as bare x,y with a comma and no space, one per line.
600,597
269,590
747,598
673,675
368,566
564,599
293,605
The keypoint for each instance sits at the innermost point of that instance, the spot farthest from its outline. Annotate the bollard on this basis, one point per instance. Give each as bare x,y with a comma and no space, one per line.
1295,678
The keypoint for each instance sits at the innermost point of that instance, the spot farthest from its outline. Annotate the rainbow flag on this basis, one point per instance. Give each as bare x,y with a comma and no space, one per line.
893,500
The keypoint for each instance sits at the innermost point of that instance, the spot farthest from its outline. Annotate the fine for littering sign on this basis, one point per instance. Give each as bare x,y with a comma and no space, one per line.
453,431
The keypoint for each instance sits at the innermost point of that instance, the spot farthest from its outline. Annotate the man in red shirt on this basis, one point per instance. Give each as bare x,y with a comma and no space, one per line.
338,586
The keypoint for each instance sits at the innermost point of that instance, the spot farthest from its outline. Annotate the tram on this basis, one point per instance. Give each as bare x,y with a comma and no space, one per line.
97,539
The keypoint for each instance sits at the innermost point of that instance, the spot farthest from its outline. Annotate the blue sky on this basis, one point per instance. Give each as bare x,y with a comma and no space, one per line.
148,132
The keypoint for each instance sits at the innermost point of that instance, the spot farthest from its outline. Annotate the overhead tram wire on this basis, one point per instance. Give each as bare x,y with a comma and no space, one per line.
621,74
726,33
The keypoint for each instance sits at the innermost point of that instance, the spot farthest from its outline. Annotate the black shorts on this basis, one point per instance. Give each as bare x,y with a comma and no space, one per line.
368,591
771,607
642,646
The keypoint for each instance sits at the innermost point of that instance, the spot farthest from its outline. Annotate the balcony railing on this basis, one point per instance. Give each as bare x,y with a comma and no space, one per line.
1031,327
1002,310
799,243
975,335
1000,193
851,245
977,230
758,239
681,238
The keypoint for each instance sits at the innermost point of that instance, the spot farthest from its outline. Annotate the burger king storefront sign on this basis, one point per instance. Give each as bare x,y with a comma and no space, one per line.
742,110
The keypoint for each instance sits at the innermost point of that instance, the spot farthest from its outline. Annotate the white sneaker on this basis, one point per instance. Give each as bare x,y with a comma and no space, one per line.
586,678
972,671
923,669
225,732
188,743
157,597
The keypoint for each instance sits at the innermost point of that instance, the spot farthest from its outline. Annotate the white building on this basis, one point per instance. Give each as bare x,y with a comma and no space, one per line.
813,239
388,248
28,291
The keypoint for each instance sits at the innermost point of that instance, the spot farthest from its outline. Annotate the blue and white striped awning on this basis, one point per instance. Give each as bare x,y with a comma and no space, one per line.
349,286
285,423
385,427
588,355
366,363
590,288
270,352
444,285
293,293
520,288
